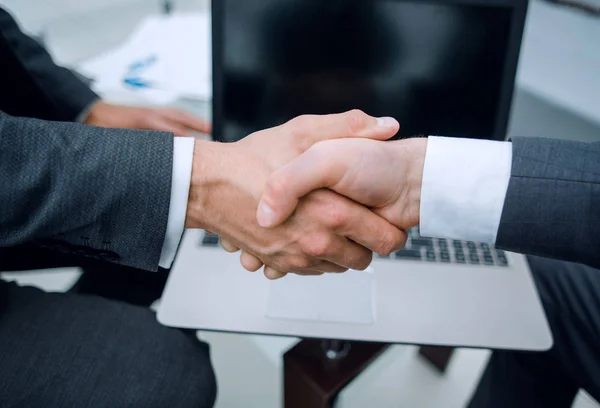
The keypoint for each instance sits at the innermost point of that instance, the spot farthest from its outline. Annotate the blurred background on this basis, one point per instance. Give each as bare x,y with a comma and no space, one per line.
557,95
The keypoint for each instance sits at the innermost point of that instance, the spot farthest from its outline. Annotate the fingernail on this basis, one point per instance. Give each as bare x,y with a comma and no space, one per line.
386,122
265,215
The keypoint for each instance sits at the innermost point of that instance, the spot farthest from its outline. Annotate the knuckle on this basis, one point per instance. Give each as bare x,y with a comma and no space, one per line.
337,217
357,121
299,129
363,261
318,245
389,242
276,186
332,210
299,124
300,263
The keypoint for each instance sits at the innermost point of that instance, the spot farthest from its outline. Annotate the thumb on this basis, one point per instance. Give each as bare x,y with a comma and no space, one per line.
310,171
312,129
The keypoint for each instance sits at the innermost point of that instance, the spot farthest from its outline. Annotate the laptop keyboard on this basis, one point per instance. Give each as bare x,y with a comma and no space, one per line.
419,248
210,240
444,250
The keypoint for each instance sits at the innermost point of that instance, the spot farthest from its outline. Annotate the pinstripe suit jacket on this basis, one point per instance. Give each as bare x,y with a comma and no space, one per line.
552,206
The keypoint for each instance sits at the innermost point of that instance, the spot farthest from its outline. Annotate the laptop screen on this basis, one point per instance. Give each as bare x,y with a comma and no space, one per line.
438,67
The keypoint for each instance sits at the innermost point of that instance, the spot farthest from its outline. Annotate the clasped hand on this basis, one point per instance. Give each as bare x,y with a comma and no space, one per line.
384,176
322,231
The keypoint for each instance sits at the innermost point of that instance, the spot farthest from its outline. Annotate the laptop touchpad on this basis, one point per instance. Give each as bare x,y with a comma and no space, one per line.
339,298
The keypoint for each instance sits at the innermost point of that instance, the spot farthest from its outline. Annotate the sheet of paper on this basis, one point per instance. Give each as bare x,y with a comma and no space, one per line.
179,48
187,52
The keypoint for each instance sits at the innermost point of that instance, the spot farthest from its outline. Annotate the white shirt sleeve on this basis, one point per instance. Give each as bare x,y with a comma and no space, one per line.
183,156
464,187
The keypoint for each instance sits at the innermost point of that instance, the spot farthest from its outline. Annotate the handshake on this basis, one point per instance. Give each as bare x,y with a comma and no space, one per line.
316,194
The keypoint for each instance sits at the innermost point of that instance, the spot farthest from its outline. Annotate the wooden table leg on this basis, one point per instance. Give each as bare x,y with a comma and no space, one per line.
314,373
439,357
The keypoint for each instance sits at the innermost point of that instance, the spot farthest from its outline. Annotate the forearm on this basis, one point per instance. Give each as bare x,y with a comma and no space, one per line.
539,197
552,206
96,191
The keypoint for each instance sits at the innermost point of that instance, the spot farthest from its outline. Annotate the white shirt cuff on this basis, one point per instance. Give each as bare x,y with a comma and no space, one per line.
183,156
464,187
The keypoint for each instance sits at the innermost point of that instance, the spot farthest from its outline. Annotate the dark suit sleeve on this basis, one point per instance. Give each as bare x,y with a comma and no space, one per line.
552,206
32,84
101,193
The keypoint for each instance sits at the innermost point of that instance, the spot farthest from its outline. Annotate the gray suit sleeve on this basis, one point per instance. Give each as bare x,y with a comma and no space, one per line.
552,206
100,193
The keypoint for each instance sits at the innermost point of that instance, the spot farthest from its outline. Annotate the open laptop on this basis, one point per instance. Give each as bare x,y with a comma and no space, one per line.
442,67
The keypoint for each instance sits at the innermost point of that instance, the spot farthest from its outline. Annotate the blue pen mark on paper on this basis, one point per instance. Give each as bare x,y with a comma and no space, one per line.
137,83
140,65
133,76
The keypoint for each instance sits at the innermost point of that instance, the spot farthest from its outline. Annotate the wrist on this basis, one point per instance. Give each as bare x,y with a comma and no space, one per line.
207,176
414,151
97,114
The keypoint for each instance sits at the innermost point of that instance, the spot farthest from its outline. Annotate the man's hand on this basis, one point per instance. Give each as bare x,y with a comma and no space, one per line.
385,176
327,233
175,121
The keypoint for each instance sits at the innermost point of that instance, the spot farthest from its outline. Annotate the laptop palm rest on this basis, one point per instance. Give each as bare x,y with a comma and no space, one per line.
334,298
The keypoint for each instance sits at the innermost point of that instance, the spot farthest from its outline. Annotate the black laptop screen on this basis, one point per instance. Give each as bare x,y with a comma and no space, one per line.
436,67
